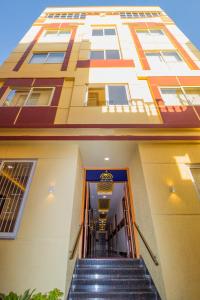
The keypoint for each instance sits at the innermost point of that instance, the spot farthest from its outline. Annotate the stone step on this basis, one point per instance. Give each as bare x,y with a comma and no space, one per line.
130,295
110,284
117,271
104,262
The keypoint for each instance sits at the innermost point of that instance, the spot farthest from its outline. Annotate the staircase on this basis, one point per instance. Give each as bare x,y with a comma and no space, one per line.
100,279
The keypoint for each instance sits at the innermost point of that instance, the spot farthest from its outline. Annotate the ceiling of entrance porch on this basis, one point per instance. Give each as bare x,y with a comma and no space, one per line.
93,153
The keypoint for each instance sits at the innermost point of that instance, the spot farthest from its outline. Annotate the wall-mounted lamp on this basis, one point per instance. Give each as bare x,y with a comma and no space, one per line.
51,189
172,189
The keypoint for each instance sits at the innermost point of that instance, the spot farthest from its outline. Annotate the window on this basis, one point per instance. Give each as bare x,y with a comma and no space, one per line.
195,172
133,15
154,39
181,96
66,16
109,94
58,35
104,54
117,95
15,177
150,33
157,59
102,32
97,54
96,97
29,97
47,58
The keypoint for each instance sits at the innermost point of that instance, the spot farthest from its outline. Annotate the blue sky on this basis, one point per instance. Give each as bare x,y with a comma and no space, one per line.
18,15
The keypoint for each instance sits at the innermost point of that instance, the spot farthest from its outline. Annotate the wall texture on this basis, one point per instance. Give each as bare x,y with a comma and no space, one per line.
143,215
175,216
37,258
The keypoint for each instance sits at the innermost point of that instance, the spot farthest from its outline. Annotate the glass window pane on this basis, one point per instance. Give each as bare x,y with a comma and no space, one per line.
14,178
50,33
97,32
38,58
155,32
154,58
96,97
109,31
16,97
62,33
55,57
173,96
112,54
117,95
39,97
171,57
196,177
193,95
143,33
97,54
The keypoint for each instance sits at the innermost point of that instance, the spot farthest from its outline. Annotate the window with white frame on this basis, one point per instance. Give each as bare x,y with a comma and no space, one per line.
153,38
66,15
15,178
104,32
55,36
105,54
108,95
135,15
47,58
163,58
181,96
29,96
150,33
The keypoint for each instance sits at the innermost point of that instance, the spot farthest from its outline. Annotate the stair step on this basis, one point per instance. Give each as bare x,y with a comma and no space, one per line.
109,270
109,284
137,274
107,279
130,295
110,262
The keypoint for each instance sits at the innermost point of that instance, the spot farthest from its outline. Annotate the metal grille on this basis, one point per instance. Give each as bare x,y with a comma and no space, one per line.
14,177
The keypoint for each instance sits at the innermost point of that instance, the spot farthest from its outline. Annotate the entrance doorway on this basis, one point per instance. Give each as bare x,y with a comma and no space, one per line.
108,215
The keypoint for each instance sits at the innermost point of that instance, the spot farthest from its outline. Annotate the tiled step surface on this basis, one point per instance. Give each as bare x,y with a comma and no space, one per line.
103,279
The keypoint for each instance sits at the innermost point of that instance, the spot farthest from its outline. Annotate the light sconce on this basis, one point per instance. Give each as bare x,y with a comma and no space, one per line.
51,189
172,189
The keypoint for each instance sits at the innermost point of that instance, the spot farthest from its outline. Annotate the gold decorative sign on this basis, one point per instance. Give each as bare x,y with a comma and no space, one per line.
105,185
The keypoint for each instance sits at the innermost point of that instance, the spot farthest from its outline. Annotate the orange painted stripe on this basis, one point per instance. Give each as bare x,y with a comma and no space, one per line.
140,51
182,51
153,25
110,63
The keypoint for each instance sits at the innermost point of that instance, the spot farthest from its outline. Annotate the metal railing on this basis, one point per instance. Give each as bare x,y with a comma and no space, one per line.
153,256
73,251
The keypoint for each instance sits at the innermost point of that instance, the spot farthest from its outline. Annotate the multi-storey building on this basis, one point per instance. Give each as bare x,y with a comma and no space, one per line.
89,90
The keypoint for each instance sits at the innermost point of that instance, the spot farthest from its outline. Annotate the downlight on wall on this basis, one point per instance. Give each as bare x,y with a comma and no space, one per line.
106,158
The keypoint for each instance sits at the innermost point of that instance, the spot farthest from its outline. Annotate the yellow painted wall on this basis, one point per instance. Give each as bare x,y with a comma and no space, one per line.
75,221
37,258
175,216
144,220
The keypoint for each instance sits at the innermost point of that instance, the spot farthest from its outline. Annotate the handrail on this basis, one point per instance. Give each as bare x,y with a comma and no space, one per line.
154,258
72,252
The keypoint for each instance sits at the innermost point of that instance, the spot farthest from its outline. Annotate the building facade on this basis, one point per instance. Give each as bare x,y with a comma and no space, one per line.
99,88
